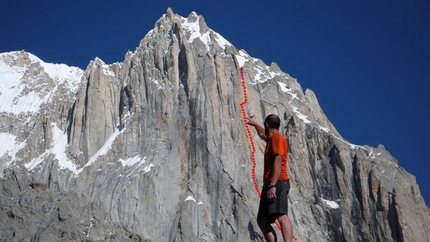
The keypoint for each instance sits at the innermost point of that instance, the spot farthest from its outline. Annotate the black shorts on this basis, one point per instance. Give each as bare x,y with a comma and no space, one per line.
271,209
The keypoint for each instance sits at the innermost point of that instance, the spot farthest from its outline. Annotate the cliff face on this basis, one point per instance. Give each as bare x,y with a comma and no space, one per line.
155,149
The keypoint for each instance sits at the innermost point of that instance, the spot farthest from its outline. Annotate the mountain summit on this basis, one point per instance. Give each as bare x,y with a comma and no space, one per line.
155,149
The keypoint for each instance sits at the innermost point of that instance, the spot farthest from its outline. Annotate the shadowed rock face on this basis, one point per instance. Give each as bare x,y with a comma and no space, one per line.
155,149
33,213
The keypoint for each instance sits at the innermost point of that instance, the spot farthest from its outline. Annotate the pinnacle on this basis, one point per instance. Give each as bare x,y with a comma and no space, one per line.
170,13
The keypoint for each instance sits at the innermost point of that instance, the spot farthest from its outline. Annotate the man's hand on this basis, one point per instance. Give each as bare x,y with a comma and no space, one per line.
271,194
260,130
251,122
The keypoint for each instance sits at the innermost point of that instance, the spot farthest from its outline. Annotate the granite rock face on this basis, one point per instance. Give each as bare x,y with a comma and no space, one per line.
155,149
34,213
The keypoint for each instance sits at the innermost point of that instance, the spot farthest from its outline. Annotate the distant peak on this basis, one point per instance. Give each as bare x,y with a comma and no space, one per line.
18,58
274,67
193,16
170,12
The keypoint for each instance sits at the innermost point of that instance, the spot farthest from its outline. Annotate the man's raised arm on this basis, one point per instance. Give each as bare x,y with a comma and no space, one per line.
260,130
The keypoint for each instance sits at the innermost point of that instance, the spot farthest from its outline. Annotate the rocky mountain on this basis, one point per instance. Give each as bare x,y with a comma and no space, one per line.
156,149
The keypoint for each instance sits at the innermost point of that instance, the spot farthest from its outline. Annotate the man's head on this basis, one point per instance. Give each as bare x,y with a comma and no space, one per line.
272,121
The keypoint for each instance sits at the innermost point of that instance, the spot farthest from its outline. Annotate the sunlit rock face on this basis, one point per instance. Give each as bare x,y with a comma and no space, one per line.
155,149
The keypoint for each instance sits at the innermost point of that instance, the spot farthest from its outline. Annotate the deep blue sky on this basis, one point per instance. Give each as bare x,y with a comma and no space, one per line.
367,61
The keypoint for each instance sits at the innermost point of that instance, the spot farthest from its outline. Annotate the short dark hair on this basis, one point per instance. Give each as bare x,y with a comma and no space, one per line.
273,121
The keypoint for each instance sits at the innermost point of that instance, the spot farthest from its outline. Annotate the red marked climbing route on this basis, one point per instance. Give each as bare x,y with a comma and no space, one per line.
254,163
242,108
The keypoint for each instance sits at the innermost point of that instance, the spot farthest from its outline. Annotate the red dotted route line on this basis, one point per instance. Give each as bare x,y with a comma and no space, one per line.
242,108
254,163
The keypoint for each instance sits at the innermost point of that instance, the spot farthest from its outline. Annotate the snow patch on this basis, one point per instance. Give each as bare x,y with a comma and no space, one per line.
103,150
348,143
35,162
136,160
221,41
331,204
107,69
133,160
288,90
191,198
372,153
301,116
61,73
241,60
13,96
148,168
9,146
193,28
324,129
262,74
58,149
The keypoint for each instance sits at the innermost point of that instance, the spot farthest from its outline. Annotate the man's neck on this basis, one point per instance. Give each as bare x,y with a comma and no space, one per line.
272,131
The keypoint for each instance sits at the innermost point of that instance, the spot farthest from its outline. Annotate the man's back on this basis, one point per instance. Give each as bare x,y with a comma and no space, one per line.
276,145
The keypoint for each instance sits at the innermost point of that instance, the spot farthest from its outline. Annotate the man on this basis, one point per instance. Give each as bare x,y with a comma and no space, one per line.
274,196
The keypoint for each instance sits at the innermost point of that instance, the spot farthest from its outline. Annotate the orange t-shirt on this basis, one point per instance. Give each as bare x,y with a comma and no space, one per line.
276,145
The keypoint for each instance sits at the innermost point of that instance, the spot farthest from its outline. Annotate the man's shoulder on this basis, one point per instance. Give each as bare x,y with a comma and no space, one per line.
281,138
278,135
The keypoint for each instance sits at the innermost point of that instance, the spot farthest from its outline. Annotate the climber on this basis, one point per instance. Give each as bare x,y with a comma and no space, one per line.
274,195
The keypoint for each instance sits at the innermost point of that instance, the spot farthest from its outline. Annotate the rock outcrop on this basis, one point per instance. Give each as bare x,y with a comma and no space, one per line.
155,149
